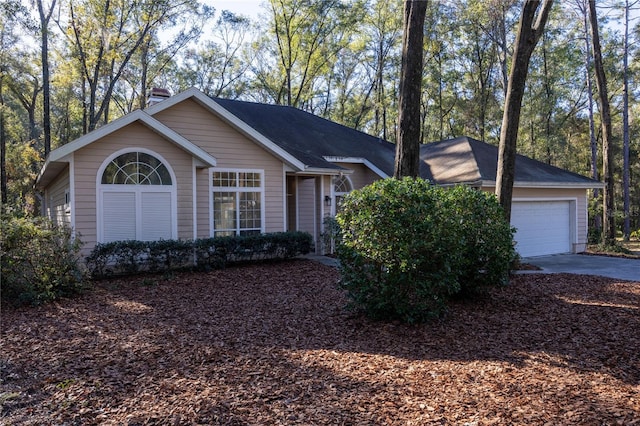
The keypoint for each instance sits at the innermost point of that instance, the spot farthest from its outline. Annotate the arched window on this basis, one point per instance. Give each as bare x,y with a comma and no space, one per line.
136,198
136,168
341,186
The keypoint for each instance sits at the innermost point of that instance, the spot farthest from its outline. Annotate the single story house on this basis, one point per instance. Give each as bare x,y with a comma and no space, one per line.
191,166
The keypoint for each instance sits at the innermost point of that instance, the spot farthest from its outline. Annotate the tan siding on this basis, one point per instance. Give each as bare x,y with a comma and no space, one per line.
361,176
231,150
57,210
89,159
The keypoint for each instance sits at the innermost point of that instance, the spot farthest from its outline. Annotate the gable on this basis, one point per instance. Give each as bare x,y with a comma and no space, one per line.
213,134
172,107
62,155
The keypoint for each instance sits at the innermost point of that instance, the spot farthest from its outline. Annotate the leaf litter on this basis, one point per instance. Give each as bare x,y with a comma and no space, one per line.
273,344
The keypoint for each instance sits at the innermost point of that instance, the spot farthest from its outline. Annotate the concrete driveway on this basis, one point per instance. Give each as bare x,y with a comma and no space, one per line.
613,267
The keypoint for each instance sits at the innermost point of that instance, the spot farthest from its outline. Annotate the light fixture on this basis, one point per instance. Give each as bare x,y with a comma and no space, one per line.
327,201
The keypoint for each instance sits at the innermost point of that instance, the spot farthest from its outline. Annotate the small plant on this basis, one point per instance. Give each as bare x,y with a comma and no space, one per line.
65,384
331,235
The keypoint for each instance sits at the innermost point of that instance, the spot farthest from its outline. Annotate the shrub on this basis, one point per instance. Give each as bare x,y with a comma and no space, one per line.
331,235
397,263
408,246
39,261
130,257
485,237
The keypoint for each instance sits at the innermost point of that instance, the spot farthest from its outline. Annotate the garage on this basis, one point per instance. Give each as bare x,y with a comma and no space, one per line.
543,227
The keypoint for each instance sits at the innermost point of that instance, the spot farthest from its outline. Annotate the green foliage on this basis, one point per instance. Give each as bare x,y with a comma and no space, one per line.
594,233
409,246
331,235
485,237
615,248
131,257
396,262
39,261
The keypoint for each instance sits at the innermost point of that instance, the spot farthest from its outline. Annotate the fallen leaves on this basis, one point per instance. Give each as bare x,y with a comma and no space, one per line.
272,344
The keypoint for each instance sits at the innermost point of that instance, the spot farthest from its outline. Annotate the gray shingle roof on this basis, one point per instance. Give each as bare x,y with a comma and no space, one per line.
465,159
310,138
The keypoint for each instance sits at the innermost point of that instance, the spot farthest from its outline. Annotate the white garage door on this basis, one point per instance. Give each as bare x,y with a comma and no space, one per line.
543,227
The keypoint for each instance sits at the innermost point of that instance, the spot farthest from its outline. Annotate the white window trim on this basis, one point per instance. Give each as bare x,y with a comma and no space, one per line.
137,189
194,197
333,185
213,189
336,194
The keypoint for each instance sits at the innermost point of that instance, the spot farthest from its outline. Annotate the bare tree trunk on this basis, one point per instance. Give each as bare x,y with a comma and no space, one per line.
29,102
593,143
144,64
408,145
626,232
46,92
529,33
608,222
3,158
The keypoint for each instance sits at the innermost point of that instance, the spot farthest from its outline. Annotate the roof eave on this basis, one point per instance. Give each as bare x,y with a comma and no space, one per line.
551,185
472,183
357,160
324,171
49,171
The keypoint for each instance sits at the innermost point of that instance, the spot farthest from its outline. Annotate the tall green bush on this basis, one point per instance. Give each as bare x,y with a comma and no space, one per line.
397,263
485,237
408,246
39,261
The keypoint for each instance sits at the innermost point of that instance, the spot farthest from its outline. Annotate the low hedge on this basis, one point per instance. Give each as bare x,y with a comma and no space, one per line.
131,257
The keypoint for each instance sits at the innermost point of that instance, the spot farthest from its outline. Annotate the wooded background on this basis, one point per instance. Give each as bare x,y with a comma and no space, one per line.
68,67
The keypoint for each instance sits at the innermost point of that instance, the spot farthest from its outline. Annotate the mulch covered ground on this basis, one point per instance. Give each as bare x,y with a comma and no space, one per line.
273,344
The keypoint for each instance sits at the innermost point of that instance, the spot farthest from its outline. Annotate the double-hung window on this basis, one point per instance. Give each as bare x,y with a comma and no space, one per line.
237,202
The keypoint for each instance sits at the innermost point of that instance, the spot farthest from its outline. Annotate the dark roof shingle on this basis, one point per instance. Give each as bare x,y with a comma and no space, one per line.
465,159
308,137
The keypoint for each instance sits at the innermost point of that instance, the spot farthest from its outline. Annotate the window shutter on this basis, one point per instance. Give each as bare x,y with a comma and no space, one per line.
156,216
119,210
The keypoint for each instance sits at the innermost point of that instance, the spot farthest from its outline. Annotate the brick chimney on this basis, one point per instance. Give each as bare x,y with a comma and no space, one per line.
157,95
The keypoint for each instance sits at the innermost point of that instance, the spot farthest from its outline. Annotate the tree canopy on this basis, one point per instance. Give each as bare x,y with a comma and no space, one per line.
340,59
